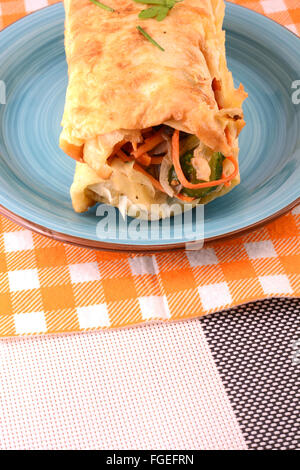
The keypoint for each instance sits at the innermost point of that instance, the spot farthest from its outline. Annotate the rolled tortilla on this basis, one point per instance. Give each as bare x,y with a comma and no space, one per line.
120,83
125,186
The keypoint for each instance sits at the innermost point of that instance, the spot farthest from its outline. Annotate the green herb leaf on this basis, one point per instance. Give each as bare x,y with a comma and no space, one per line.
152,2
149,13
171,3
150,39
160,11
163,11
101,5
165,3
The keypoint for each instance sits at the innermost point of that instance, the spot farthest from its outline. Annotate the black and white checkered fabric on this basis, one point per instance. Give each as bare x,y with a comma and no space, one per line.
257,351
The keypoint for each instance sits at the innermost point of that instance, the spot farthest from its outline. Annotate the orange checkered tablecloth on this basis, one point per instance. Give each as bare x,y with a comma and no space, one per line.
51,287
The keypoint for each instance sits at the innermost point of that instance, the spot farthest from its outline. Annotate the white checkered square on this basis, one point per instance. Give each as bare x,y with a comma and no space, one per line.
278,284
214,295
23,279
273,6
32,5
33,322
263,249
84,272
154,306
93,316
202,257
16,241
143,265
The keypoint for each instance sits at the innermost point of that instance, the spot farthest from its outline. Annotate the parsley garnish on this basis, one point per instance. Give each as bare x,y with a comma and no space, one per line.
159,11
146,35
101,5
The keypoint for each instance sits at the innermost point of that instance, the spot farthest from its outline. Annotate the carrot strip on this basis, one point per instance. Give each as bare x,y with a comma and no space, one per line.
156,160
184,198
119,145
148,132
144,159
123,156
182,179
149,144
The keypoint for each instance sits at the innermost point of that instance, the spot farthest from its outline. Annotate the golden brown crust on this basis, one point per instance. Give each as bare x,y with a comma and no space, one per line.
118,80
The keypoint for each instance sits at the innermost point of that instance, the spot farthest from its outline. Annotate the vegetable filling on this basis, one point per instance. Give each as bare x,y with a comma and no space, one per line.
176,163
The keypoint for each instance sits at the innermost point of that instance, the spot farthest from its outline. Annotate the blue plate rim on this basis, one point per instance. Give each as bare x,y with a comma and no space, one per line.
121,247
124,247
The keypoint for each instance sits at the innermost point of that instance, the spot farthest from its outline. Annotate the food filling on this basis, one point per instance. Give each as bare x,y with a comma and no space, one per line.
176,163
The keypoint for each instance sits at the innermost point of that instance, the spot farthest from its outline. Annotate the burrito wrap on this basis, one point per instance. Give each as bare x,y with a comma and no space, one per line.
120,83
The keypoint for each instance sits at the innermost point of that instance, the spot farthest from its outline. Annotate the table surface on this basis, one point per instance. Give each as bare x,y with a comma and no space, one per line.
227,381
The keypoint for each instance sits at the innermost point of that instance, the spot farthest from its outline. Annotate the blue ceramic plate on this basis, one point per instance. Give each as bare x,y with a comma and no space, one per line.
35,175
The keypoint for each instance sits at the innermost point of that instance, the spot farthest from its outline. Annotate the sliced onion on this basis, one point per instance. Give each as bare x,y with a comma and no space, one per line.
142,179
102,191
132,174
122,206
165,167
